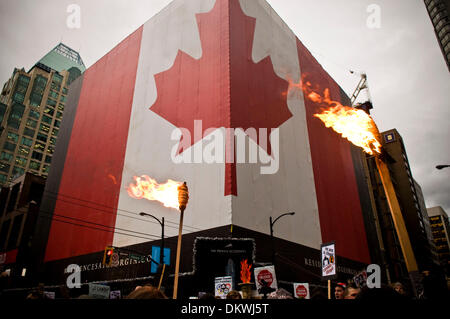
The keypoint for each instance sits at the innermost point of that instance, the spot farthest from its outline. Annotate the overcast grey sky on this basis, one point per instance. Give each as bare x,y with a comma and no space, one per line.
409,81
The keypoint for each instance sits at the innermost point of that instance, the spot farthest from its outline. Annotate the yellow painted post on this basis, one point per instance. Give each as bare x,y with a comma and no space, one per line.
329,289
183,197
177,264
397,217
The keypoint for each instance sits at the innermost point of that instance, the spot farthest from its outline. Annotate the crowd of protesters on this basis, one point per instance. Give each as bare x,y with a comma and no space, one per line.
432,289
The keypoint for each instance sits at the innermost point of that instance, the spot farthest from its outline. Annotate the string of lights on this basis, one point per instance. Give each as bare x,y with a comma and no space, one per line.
111,209
48,215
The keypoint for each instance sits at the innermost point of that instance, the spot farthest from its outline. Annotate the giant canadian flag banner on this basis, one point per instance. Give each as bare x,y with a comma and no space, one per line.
208,92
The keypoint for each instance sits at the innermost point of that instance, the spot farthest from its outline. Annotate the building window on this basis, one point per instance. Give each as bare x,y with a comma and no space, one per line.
38,146
16,115
29,132
53,94
18,171
56,81
48,159
3,178
21,89
45,169
51,102
38,90
4,167
55,132
9,146
21,161
46,119
61,106
37,156
52,140
27,141
5,156
34,114
24,151
57,123
13,137
44,128
444,30
31,123
50,150
3,110
35,165
42,137
49,111
59,115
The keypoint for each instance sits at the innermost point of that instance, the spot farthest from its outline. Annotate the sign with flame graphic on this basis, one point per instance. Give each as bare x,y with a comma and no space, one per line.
245,272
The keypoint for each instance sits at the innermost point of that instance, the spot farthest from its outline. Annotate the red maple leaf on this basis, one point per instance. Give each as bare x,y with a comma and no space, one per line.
224,88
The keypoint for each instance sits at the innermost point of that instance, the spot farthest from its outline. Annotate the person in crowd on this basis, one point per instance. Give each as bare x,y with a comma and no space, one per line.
351,292
434,284
146,292
280,294
234,294
206,296
399,288
318,294
384,293
339,291
37,293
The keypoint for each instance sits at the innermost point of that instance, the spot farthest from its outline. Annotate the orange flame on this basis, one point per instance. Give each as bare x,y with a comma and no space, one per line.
353,124
146,187
245,272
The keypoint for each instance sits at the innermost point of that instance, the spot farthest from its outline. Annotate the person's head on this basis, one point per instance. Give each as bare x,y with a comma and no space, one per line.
233,294
206,296
384,293
146,292
398,287
351,292
318,294
339,291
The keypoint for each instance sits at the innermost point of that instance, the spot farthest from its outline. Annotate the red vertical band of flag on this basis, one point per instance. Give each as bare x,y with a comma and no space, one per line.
90,183
340,212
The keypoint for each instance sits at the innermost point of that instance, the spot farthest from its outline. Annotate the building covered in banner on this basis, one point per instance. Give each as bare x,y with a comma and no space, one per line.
190,96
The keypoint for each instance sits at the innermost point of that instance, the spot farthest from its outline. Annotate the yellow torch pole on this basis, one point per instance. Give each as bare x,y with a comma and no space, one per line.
177,264
183,197
399,223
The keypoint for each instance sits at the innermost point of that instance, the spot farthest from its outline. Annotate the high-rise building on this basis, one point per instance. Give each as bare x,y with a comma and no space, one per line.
387,248
19,205
439,12
412,204
426,221
408,197
31,110
441,235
